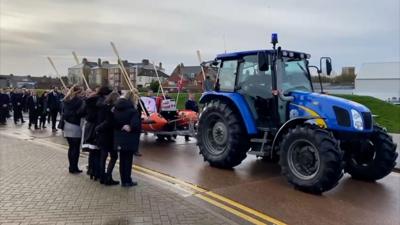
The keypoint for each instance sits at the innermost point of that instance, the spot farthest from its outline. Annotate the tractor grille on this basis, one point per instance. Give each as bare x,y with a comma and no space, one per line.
367,118
342,116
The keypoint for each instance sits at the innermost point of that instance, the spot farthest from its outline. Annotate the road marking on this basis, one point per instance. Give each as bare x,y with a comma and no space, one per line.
244,208
231,210
197,191
214,195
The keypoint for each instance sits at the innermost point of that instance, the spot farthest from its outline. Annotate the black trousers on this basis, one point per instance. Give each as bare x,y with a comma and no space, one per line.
43,119
94,163
33,119
125,166
53,115
73,152
103,158
3,114
18,115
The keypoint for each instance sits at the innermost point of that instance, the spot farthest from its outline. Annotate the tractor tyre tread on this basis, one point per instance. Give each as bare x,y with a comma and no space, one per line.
330,155
238,142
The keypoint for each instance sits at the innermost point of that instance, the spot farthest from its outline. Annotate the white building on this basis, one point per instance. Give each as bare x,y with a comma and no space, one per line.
379,80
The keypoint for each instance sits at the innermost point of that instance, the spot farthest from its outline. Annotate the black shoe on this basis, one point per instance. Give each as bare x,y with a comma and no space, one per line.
44,127
54,130
187,138
23,121
75,171
36,128
129,184
111,182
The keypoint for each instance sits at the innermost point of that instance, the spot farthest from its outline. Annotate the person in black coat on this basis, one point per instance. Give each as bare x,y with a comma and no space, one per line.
43,110
90,139
127,128
89,136
25,96
33,108
74,111
104,131
16,100
54,106
191,104
4,103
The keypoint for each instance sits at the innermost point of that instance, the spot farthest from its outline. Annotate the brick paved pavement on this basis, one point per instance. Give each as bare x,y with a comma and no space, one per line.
35,188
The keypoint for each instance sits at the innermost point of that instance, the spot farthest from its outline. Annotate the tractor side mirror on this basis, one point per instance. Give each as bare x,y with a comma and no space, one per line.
328,67
263,61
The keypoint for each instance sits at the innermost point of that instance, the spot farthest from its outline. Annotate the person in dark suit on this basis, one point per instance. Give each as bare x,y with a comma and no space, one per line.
127,128
43,110
54,106
104,131
16,100
4,103
34,109
25,96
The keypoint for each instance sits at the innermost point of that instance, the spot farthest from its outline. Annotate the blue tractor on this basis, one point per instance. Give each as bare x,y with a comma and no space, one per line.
264,104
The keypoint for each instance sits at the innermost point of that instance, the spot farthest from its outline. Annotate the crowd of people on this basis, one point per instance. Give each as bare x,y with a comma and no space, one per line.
42,109
112,126
103,122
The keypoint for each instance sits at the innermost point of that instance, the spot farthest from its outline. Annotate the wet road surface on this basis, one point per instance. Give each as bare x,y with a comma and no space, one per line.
258,185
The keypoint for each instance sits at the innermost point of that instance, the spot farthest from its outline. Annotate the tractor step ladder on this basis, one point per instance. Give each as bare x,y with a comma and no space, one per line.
263,140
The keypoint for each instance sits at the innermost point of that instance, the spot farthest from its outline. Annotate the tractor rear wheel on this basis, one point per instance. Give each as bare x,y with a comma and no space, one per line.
311,159
371,159
221,137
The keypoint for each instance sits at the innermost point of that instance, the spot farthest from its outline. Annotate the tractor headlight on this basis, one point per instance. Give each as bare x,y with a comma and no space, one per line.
357,120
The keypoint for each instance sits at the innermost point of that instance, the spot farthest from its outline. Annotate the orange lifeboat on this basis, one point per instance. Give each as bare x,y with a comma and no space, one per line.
154,122
187,116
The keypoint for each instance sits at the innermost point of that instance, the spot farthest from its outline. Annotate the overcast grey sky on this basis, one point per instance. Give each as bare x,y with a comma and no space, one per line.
350,31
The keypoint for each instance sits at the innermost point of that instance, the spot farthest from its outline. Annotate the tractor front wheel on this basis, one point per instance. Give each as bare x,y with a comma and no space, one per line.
221,137
311,159
372,158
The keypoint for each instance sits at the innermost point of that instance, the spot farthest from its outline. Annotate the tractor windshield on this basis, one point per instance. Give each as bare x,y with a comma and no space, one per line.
295,76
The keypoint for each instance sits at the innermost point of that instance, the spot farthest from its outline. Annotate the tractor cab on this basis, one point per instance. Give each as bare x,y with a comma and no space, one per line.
265,79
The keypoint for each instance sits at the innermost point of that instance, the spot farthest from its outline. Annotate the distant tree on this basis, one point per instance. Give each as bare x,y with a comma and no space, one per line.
154,85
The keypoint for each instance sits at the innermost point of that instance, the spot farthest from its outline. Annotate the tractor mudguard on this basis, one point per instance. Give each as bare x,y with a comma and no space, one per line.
237,101
290,123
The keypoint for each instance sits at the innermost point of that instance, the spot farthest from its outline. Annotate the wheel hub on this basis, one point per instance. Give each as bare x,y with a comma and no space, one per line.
219,133
303,159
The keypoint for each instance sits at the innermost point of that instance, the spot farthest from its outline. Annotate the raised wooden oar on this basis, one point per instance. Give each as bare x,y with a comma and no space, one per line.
126,76
58,75
82,72
201,61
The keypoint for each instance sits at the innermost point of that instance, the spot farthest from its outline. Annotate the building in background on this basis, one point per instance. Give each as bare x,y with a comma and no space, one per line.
380,80
349,70
104,73
30,82
75,72
146,73
13,81
192,77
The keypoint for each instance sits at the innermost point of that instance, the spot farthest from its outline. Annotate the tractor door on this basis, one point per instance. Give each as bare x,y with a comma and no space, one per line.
256,87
